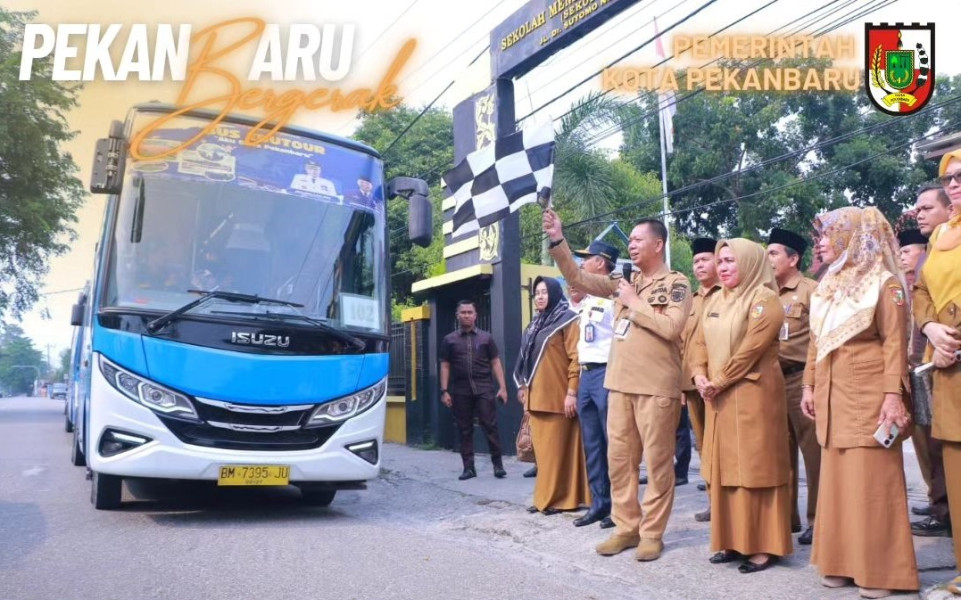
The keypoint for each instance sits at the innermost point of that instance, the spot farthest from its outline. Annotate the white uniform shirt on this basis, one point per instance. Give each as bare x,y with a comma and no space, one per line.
599,313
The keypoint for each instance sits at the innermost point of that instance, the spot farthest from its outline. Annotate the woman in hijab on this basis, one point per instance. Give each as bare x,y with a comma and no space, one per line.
937,309
854,386
547,375
745,451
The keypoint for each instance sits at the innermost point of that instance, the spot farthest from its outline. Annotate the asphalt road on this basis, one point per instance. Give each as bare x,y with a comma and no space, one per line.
416,533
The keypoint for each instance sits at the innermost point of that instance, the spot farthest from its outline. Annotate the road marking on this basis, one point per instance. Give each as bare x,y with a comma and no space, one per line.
34,471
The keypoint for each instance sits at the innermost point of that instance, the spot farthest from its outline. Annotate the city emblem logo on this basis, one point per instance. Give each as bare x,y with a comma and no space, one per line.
899,66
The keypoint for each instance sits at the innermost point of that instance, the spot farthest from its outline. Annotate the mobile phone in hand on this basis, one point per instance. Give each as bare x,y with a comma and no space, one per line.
886,439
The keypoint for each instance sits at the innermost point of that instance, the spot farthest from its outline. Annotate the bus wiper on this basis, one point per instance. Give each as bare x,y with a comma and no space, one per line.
357,343
158,323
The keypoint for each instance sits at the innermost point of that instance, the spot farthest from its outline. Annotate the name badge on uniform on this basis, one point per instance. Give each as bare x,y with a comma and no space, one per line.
596,314
621,329
589,333
784,332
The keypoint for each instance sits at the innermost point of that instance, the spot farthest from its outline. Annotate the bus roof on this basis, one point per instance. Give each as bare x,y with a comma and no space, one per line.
251,121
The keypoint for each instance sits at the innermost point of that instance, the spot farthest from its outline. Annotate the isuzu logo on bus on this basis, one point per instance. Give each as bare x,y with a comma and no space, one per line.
259,339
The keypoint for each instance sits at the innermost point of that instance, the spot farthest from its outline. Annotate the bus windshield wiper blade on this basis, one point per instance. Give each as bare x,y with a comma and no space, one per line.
341,335
158,323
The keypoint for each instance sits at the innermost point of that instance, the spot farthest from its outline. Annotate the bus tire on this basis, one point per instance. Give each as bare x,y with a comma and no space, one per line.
67,425
76,454
317,496
105,491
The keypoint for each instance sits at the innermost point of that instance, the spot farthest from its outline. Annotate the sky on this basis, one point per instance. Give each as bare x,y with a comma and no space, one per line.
449,35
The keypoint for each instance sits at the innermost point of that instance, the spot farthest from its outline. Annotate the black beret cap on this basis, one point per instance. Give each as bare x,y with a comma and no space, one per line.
911,236
701,245
789,239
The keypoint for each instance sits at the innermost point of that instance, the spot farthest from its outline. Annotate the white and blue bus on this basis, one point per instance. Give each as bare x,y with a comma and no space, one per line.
238,315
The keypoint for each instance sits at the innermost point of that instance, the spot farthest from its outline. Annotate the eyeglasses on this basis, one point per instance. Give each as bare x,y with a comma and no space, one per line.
946,180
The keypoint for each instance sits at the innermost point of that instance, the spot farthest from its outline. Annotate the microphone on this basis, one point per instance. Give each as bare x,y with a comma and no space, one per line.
626,269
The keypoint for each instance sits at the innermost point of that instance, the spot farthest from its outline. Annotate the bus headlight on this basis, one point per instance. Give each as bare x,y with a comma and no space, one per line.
344,408
155,397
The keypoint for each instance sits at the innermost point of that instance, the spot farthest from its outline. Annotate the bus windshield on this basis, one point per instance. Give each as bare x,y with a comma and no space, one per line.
296,219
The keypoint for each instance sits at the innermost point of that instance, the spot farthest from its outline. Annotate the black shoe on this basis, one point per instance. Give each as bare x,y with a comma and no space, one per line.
532,472
921,511
591,516
642,480
532,509
753,567
796,528
550,511
499,472
468,473
807,537
607,523
702,486
703,516
725,556
680,481
931,527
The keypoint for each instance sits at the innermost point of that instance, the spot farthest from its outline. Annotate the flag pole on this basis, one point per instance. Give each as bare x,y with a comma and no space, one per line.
667,205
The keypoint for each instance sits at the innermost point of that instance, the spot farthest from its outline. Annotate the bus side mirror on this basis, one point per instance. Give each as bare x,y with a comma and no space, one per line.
76,315
109,160
420,222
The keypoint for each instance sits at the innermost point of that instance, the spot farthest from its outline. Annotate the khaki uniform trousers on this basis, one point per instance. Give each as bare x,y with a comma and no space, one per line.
802,433
640,426
695,409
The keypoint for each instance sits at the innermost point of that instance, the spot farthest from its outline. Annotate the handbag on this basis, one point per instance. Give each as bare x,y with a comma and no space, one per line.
525,444
921,386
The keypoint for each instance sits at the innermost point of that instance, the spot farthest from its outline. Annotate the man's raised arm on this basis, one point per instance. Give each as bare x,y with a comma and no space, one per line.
594,284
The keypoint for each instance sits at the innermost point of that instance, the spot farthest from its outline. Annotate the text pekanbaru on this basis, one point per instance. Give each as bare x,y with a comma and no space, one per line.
311,53
750,78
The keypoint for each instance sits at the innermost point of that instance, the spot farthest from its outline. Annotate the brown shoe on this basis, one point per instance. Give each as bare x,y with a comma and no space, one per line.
617,543
649,549
703,516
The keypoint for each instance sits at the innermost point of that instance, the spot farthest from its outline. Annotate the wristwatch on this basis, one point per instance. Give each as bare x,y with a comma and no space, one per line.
555,244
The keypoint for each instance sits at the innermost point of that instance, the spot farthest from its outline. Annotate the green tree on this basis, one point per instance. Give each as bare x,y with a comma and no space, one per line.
39,194
426,151
20,362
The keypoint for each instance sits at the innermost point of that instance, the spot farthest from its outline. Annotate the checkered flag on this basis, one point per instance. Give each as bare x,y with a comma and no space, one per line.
496,180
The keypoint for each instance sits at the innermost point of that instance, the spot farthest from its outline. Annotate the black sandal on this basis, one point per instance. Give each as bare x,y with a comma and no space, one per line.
725,556
752,567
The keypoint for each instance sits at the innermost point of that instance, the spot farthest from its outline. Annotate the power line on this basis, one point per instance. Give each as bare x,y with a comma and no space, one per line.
617,60
426,108
603,134
647,202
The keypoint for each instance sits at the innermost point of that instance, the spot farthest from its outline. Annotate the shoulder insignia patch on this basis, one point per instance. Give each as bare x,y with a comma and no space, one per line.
897,295
678,292
757,311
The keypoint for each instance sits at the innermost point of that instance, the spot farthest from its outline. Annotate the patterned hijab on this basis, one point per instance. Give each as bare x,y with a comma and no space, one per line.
553,318
734,305
844,302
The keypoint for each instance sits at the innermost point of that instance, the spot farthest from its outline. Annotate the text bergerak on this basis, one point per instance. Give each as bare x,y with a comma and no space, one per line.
308,46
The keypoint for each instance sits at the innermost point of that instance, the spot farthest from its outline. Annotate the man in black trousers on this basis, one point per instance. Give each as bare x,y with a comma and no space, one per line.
468,359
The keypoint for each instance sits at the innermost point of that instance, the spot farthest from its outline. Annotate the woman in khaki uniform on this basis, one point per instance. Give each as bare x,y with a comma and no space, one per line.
854,383
937,310
745,451
547,375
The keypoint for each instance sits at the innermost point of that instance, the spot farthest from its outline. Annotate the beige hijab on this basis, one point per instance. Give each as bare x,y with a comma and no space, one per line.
723,334
844,302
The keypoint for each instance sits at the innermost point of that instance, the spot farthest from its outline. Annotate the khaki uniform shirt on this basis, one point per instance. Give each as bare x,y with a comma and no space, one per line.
794,335
690,330
745,424
946,397
850,382
646,351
